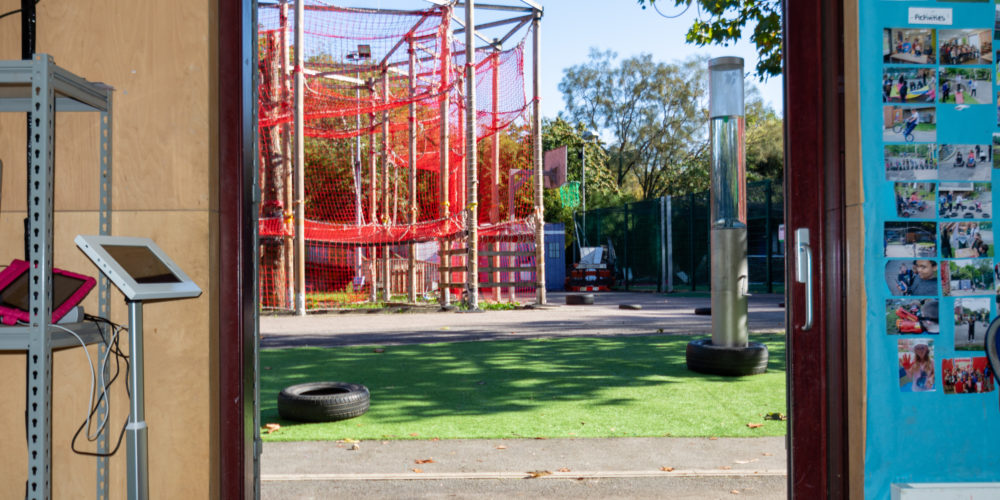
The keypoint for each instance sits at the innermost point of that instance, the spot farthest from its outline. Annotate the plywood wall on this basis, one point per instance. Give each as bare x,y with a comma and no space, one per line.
161,59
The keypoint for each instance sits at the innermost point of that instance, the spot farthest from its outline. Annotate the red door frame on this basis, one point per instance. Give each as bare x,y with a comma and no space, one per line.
814,171
814,114
236,293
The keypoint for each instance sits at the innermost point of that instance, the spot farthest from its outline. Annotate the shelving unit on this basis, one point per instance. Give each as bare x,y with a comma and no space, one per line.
41,89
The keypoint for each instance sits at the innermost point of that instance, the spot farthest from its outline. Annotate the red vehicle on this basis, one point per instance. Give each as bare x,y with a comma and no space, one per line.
908,322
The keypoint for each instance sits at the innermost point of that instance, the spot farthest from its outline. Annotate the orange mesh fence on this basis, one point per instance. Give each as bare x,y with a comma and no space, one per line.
383,91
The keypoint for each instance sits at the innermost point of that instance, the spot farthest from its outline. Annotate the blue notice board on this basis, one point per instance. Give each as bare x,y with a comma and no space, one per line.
929,118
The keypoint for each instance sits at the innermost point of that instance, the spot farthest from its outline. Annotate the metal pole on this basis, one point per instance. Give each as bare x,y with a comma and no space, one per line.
670,245
300,175
626,277
495,185
536,40
728,203
661,285
411,269
767,233
288,193
583,189
373,202
444,258
471,161
691,255
386,219
136,430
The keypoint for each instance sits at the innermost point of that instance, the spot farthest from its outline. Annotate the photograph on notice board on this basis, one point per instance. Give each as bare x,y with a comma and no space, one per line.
964,277
966,375
996,143
911,316
966,240
965,162
916,364
908,85
966,86
908,46
965,200
916,200
966,46
912,277
909,124
972,317
911,162
910,239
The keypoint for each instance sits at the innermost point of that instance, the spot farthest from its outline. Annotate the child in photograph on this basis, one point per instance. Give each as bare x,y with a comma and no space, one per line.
925,281
920,368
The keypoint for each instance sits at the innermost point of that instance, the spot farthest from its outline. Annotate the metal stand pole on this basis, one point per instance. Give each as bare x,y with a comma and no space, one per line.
536,39
300,168
136,431
471,161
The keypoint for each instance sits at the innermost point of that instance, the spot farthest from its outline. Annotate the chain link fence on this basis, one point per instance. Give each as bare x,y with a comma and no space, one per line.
663,244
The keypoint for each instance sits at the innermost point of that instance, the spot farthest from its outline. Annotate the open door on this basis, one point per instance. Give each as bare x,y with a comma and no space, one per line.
815,273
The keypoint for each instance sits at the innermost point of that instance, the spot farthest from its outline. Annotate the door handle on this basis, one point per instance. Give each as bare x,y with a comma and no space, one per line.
803,271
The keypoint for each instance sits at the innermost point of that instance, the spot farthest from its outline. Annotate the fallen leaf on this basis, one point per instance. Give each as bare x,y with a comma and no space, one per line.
501,447
775,416
539,437
754,425
436,439
539,473
767,454
418,471
355,447
385,442
659,330
414,434
745,461
272,427
735,492
564,469
348,440
424,461
713,438
445,328
667,469
379,350
726,467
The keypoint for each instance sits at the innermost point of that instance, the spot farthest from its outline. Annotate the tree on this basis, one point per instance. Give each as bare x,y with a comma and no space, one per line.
654,110
764,139
725,21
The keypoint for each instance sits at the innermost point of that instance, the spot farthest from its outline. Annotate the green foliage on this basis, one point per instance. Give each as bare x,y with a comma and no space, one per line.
721,22
765,137
656,113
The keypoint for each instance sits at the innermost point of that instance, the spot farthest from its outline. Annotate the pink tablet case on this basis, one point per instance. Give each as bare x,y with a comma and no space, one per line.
11,315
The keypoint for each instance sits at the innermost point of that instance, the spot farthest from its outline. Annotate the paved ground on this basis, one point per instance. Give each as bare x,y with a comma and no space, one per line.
626,468
673,315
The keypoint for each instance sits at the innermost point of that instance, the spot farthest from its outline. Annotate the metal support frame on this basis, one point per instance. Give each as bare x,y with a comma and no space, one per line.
471,164
536,119
104,288
300,176
40,88
411,269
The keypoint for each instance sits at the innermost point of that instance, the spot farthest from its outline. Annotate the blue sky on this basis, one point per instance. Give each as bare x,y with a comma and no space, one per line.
570,28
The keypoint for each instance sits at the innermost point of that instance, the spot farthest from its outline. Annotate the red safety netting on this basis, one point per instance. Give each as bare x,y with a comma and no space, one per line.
384,90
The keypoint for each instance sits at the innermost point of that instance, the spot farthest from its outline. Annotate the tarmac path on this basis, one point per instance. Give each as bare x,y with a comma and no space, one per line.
660,314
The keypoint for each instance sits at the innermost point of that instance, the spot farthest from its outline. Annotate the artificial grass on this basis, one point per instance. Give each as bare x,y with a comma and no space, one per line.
546,388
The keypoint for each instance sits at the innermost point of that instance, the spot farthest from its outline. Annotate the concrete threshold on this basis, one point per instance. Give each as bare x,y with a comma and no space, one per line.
521,475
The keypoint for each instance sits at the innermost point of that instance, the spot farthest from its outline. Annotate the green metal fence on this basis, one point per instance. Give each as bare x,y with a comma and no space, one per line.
663,244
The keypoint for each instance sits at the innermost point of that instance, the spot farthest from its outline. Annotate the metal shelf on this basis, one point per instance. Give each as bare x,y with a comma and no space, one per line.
18,338
41,90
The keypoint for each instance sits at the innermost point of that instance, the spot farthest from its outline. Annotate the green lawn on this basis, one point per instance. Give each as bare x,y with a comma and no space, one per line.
567,387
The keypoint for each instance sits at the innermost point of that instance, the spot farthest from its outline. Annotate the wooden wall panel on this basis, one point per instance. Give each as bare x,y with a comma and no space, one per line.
161,57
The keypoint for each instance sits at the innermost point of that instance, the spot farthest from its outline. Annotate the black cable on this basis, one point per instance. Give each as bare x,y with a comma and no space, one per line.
15,11
120,357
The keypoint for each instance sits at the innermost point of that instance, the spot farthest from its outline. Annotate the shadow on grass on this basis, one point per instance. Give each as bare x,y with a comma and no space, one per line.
410,383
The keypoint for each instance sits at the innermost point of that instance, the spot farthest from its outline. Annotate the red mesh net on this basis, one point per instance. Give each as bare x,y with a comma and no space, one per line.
384,98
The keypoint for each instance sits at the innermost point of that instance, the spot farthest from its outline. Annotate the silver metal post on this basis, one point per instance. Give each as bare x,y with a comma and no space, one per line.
471,161
728,207
136,431
300,168
536,40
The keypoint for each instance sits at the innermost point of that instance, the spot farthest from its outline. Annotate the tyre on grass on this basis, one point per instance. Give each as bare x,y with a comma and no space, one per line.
323,401
705,357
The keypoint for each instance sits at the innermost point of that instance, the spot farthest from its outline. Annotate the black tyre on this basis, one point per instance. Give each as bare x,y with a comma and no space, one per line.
579,300
703,311
323,401
630,307
704,357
